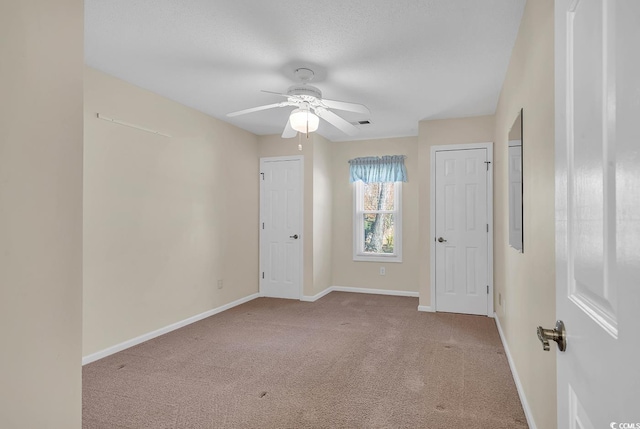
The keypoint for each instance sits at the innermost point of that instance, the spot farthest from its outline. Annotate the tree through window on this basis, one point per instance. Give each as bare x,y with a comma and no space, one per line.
379,202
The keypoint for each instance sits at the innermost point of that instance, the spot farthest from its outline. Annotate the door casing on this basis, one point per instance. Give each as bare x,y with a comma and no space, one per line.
432,216
263,160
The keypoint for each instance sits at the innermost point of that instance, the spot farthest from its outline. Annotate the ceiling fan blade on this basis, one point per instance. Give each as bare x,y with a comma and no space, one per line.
337,121
347,107
257,109
289,132
276,93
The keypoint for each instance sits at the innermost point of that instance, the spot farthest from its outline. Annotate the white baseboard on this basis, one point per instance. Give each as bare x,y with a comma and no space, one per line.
374,291
145,337
317,296
358,290
426,308
516,378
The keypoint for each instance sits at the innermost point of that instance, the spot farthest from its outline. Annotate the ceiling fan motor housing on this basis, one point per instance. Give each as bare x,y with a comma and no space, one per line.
304,90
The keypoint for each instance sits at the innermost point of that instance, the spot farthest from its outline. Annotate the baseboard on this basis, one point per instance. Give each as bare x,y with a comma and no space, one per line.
358,290
374,291
426,308
146,337
317,296
523,398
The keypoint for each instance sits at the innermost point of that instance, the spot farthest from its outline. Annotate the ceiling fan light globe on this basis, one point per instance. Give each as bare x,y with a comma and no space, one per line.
304,121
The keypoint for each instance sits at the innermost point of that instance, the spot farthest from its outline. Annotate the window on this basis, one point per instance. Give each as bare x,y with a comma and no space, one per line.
377,217
377,221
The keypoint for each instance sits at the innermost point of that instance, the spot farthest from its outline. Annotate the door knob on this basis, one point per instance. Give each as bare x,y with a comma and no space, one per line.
441,240
294,236
558,335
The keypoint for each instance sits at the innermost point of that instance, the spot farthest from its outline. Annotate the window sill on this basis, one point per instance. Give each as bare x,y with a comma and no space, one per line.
377,258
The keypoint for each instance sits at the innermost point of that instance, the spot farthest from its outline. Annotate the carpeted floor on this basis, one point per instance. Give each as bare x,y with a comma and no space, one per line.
346,361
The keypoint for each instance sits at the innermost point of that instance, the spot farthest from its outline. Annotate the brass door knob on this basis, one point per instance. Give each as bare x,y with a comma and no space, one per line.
558,335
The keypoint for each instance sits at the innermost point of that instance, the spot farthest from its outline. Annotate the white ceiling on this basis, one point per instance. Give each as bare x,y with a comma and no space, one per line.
407,60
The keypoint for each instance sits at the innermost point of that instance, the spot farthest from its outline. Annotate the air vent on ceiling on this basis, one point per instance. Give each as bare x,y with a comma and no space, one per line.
361,123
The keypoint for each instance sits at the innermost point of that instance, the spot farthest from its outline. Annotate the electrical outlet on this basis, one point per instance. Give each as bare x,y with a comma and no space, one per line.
220,284
383,271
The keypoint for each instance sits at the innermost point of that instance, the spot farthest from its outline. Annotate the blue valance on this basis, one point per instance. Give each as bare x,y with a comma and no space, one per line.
372,169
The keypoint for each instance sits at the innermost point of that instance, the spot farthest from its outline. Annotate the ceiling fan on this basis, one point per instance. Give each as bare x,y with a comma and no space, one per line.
310,107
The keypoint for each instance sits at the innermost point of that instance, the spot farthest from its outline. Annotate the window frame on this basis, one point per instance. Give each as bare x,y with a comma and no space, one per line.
359,255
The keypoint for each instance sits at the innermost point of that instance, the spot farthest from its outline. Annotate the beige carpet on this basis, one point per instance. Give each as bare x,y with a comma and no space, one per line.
346,361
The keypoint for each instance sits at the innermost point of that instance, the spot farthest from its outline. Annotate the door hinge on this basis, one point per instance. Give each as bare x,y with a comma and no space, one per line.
263,275
262,225
262,174
487,227
487,162
487,289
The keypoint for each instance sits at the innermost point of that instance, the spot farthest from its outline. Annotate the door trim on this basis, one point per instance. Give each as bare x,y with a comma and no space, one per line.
263,160
432,217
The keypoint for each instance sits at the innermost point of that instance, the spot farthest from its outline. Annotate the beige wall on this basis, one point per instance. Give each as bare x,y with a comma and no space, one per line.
41,51
479,129
346,272
328,212
526,281
322,213
165,218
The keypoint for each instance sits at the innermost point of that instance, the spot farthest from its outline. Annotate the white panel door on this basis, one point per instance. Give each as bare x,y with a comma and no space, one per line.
281,227
598,212
461,231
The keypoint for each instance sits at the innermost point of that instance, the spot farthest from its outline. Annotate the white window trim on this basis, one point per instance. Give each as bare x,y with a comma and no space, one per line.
358,227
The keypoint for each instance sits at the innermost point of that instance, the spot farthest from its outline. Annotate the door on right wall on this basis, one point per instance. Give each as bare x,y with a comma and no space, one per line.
598,212
461,231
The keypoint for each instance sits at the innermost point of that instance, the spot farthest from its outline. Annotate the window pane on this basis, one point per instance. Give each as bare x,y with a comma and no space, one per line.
378,233
379,196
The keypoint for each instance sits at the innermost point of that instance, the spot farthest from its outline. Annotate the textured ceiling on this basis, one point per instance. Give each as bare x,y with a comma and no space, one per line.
405,60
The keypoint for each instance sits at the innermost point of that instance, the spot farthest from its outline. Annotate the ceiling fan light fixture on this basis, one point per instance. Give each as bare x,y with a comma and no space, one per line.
303,121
